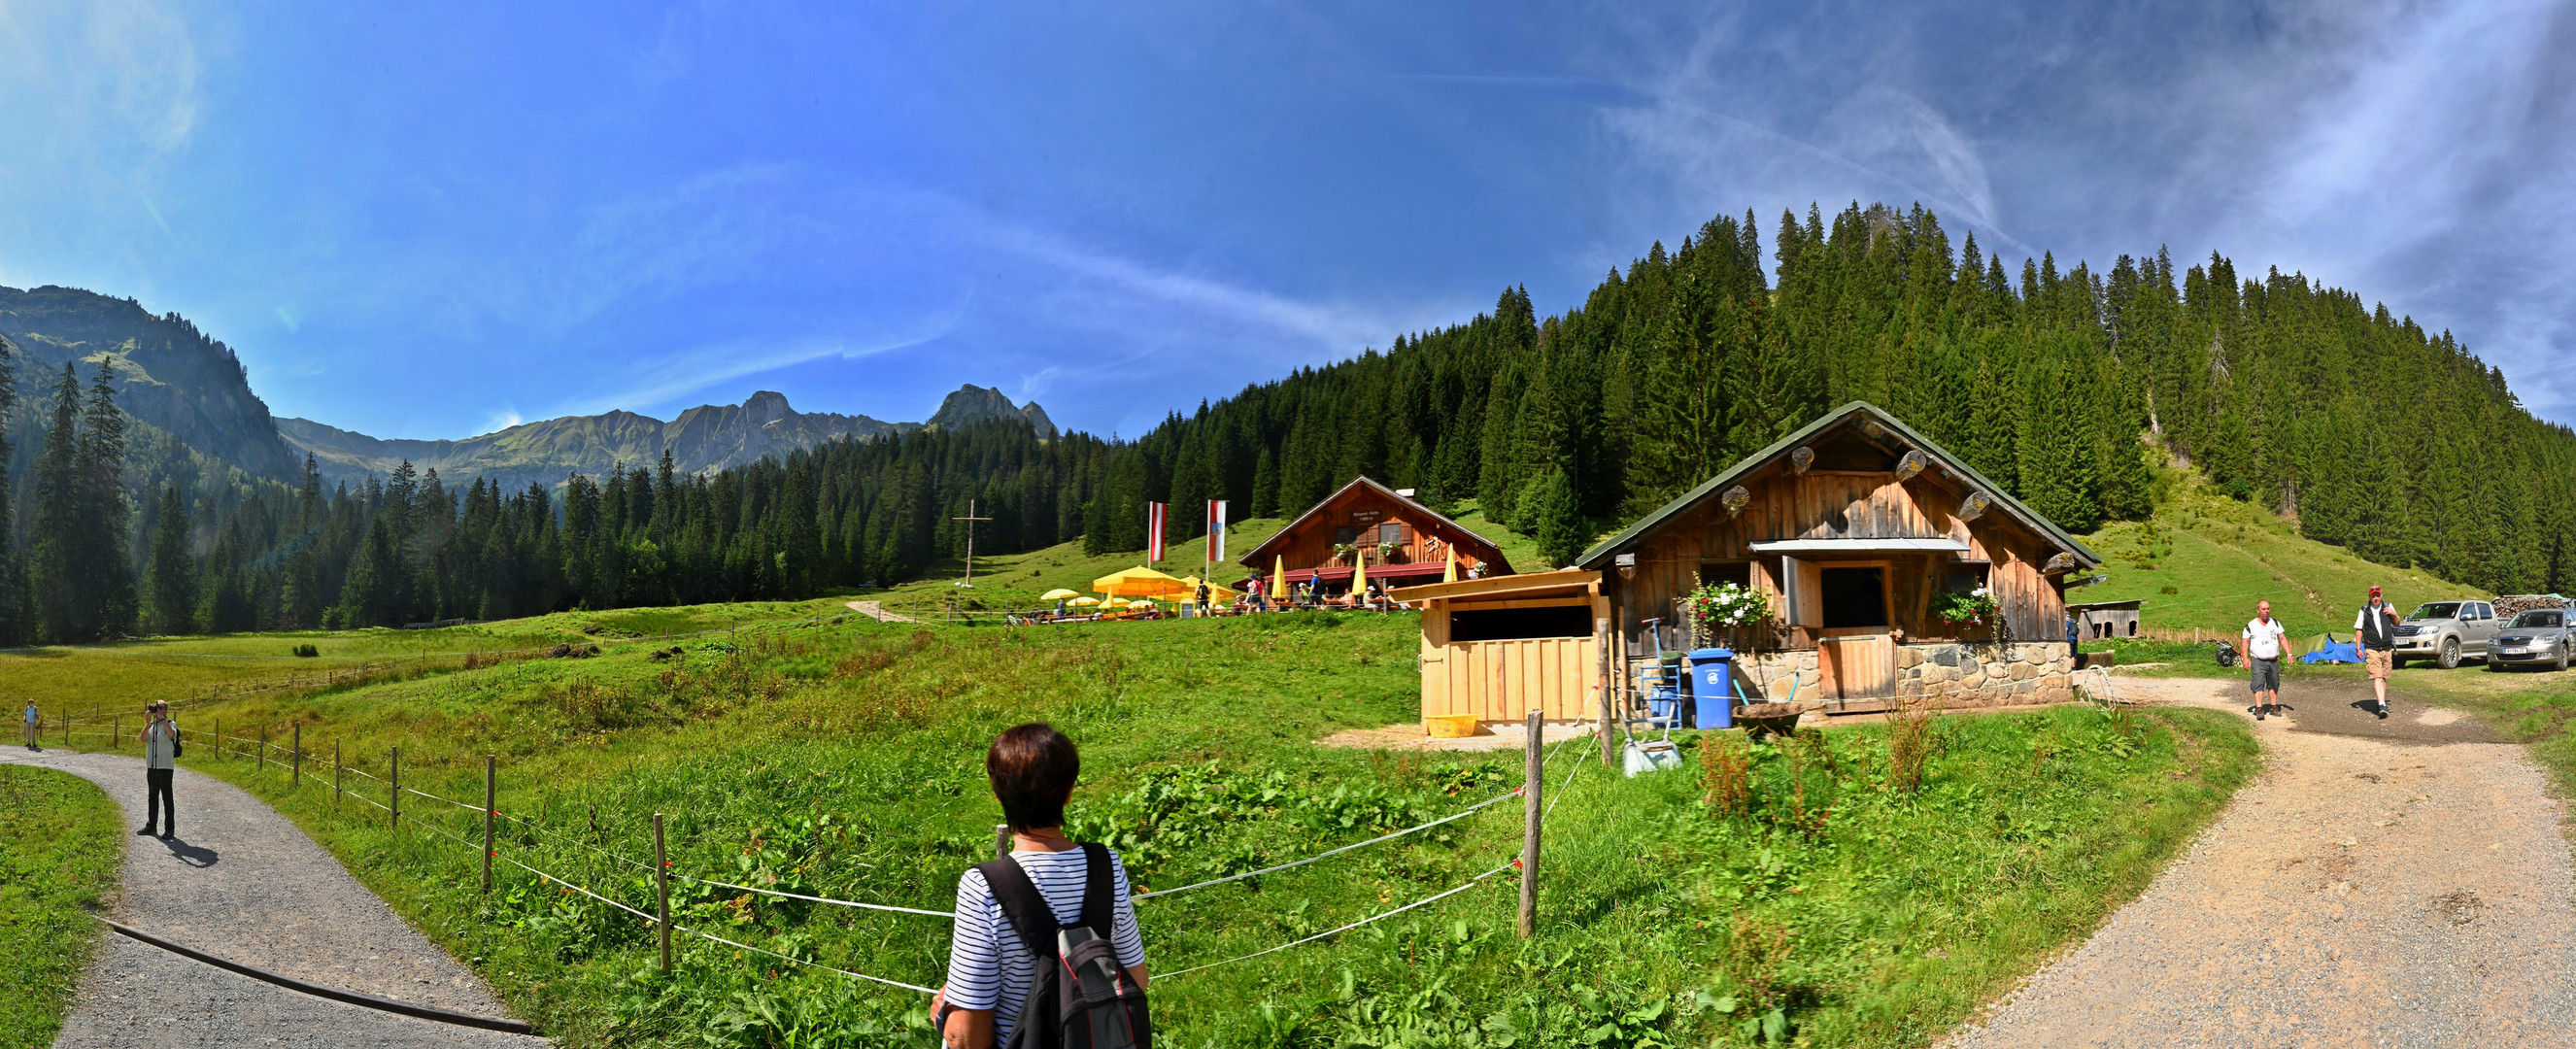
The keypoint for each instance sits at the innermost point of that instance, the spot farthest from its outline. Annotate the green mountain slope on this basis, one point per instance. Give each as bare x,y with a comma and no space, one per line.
2203,560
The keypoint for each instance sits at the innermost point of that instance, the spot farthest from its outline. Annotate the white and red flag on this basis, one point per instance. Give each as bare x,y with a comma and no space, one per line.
1154,531
1216,530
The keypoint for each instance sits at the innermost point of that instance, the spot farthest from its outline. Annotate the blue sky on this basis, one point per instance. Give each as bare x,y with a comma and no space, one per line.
424,223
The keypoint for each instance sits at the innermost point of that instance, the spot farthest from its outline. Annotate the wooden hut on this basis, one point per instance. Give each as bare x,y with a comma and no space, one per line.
2099,620
1852,526
1401,541
1501,647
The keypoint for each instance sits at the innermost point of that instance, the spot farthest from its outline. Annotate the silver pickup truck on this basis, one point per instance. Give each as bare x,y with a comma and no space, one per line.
2444,632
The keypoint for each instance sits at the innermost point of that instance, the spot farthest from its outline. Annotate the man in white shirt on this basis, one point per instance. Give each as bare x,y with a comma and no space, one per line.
2263,637
2375,630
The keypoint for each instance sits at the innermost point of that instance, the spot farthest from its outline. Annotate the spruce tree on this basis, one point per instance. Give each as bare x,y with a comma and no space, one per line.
172,595
55,549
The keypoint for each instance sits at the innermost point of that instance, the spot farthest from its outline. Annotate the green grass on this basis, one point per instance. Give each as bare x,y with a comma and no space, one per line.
846,761
60,852
2204,559
126,675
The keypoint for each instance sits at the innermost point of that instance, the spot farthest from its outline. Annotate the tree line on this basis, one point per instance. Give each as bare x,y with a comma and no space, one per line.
2061,385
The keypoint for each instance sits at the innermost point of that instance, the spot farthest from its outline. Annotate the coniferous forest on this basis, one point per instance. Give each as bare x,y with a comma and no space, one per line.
2059,384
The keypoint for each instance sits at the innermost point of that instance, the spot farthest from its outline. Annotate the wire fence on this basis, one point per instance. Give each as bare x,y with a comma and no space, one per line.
338,768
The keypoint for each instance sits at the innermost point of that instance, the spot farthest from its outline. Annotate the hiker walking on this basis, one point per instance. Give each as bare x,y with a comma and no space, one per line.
32,719
1051,916
2263,636
160,739
2375,630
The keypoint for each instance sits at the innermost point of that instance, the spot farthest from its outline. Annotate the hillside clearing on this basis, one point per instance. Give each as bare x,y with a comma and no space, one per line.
844,761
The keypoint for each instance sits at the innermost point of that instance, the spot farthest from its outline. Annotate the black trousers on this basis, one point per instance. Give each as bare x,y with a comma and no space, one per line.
156,783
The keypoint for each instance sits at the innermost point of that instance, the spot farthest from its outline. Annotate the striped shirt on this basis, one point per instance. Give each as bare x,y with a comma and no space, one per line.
988,967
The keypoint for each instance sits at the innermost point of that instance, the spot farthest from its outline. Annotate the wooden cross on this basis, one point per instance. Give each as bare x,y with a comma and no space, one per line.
970,519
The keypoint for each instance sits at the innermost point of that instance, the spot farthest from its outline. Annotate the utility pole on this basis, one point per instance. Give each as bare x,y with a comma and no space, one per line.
970,519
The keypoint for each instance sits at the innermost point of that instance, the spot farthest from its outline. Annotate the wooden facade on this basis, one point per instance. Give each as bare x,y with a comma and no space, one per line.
1549,662
1364,514
1811,521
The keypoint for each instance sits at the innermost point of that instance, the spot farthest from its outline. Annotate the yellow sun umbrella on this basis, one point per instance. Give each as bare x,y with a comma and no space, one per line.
1085,602
1279,578
1450,574
1359,575
1137,582
1058,594
1115,602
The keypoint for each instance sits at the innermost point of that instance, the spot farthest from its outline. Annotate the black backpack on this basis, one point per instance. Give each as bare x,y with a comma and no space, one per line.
1081,998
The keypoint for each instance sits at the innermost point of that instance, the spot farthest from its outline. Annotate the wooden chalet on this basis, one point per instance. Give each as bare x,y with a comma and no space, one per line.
1400,540
1852,526
1501,647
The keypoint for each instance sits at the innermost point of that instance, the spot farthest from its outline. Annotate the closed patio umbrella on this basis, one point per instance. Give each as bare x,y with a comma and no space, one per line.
1278,578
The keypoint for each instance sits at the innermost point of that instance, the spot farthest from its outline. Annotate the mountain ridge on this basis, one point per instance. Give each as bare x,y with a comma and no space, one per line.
706,437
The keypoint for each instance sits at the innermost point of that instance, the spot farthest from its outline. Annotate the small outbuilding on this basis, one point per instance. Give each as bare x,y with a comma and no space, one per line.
2102,620
1499,648
1400,541
1854,528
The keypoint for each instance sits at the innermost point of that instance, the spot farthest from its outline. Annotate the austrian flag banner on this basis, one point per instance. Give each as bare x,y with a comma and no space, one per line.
1154,531
1216,530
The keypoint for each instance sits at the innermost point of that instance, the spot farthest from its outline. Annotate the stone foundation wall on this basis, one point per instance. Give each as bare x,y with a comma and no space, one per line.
1952,674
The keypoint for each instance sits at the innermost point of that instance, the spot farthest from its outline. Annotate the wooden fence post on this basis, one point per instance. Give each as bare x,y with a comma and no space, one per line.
116,738
1532,782
1601,642
295,754
662,891
219,739
393,791
263,748
335,772
489,780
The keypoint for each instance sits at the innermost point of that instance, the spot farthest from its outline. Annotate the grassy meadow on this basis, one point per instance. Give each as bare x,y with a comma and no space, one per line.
61,850
2203,560
1866,887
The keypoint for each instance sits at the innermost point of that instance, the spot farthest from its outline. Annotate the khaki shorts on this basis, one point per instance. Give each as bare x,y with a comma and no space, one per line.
2377,660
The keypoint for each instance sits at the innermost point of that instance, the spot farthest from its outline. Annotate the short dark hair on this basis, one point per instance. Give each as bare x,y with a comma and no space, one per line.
1033,769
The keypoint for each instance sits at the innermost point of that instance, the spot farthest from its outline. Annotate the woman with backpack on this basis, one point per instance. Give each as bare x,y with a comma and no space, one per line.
1046,951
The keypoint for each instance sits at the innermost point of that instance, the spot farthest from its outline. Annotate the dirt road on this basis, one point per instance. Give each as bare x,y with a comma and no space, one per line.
2384,883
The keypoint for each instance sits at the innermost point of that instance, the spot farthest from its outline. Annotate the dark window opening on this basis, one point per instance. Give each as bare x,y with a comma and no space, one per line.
1514,624
1854,597
1713,573
2133,628
1964,580
1390,533
1346,535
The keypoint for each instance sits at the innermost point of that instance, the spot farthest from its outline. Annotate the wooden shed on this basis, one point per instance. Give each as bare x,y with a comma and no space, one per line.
2105,619
1852,526
1499,648
1400,540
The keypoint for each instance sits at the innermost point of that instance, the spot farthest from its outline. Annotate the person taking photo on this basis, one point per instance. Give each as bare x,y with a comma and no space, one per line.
160,737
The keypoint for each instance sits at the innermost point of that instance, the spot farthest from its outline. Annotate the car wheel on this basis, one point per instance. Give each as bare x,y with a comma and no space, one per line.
2450,653
2562,658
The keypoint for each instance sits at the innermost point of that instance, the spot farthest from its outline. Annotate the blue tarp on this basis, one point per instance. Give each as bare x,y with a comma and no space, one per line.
2334,652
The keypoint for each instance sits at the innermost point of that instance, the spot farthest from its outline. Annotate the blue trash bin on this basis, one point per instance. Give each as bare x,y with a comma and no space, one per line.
1712,685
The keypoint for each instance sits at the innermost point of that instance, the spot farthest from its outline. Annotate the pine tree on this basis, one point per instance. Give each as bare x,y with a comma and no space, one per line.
173,590
56,562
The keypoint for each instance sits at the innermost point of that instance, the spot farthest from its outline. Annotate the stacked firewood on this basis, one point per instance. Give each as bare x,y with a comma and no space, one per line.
2512,605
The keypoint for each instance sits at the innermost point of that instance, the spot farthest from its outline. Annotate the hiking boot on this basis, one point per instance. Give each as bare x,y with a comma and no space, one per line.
147,832
2256,711
2382,712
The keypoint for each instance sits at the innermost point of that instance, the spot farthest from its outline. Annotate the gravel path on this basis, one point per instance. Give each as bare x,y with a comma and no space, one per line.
241,882
2383,883
876,611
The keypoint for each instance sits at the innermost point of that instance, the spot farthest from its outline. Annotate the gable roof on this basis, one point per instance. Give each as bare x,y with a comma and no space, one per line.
1457,534
1601,552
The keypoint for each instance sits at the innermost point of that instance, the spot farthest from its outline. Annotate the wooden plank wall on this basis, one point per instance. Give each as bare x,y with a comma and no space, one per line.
1828,505
1503,680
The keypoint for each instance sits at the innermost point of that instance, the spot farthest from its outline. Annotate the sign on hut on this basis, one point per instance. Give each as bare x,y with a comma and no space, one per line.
1877,552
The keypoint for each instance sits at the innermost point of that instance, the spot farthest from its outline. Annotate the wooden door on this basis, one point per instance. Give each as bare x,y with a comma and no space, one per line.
1857,663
